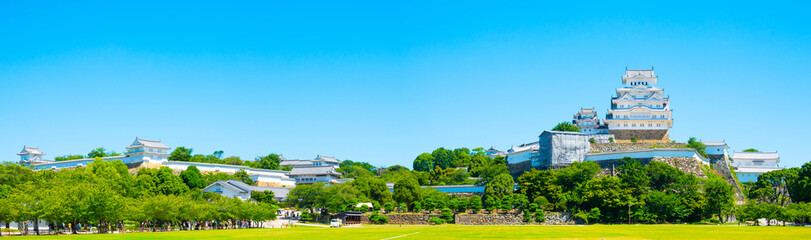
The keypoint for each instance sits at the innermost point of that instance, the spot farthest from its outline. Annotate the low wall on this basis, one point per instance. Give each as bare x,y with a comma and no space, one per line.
490,219
410,219
511,219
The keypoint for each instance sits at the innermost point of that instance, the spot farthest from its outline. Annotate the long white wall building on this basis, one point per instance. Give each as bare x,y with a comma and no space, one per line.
154,154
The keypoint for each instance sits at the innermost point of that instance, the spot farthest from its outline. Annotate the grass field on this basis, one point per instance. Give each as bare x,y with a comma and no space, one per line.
477,232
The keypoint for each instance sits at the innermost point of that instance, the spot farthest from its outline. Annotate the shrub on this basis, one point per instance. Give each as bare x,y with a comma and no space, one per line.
403,207
461,206
378,219
417,207
364,208
527,216
305,216
542,202
610,139
447,215
566,127
475,203
436,221
591,140
388,206
633,139
376,206
532,207
540,216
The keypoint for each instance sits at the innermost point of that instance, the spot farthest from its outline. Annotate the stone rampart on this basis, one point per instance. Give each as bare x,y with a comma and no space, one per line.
511,219
409,219
489,219
684,164
617,147
641,135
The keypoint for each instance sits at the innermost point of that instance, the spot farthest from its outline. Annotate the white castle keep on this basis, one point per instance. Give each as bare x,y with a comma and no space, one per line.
640,110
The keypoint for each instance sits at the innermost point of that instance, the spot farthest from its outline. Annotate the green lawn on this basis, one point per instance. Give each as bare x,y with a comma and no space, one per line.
479,232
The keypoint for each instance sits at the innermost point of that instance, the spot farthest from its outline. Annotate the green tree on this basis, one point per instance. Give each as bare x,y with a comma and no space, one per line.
488,172
424,162
243,176
719,195
101,152
68,157
169,183
566,127
698,146
500,187
535,184
263,196
633,176
800,187
447,215
442,158
373,188
751,150
475,203
181,154
665,206
577,173
306,195
193,178
416,207
407,190
271,161
350,163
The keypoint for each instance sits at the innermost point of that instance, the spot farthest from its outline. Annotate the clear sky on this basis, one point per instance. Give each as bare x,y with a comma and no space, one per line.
383,82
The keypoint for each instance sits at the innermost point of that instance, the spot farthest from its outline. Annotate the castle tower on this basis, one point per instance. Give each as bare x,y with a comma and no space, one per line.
640,109
588,122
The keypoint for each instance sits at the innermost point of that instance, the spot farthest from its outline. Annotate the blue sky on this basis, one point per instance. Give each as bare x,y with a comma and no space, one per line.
382,82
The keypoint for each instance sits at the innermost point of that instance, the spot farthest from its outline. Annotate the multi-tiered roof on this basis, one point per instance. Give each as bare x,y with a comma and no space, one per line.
639,105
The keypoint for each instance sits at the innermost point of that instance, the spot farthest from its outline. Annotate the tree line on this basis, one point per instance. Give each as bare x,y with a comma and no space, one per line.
98,152
106,196
184,154
651,193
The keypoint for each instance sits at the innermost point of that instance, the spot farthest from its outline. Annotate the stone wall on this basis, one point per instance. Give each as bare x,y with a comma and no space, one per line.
616,147
722,167
511,219
490,219
641,135
410,219
686,165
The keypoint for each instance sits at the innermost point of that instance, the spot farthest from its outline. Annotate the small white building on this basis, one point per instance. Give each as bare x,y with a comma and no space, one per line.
32,155
749,165
717,148
494,152
235,188
522,153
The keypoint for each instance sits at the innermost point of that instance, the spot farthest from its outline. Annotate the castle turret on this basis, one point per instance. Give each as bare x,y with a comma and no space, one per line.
31,155
148,151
